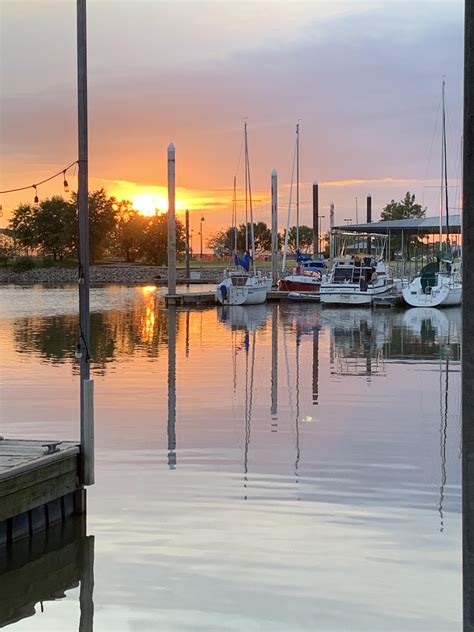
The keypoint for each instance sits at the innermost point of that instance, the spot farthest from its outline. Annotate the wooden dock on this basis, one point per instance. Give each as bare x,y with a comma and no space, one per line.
39,486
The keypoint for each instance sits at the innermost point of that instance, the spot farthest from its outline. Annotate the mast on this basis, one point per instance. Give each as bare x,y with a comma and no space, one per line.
297,186
445,172
233,241
246,188
252,231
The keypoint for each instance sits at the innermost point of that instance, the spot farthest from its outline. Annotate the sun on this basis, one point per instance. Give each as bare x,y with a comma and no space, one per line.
149,204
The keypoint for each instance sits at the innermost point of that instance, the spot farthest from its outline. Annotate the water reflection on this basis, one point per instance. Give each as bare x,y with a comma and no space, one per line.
44,568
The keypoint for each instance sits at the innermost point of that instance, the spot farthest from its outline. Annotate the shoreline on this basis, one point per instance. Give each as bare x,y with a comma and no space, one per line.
108,275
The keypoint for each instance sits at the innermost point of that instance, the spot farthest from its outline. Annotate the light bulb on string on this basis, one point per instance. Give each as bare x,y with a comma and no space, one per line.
36,200
78,351
65,183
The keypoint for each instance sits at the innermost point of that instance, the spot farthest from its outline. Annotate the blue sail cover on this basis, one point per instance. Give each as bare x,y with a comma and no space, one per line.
300,257
308,262
243,261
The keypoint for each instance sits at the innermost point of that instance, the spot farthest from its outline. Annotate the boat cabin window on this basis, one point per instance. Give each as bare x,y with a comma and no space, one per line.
342,274
239,281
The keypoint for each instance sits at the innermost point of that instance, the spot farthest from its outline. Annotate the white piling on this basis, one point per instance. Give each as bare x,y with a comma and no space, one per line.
88,438
171,219
274,227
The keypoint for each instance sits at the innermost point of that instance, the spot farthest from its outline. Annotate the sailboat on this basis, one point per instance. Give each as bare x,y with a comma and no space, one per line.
308,273
240,286
439,283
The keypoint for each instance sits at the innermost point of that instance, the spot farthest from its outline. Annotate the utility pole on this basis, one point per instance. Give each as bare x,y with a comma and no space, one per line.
331,229
468,323
202,220
274,227
86,384
171,219
315,218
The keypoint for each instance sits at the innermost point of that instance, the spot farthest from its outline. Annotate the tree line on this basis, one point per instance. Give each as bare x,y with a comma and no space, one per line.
115,228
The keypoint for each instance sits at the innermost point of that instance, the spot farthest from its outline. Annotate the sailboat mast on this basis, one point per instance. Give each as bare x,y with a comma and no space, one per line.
445,153
297,186
252,231
246,189
233,242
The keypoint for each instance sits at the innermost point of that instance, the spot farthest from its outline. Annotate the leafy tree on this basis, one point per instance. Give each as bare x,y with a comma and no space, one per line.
222,242
405,209
102,210
154,245
48,227
305,238
130,234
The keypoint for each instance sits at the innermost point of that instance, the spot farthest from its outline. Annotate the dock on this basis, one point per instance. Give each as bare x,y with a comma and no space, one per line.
209,298
40,485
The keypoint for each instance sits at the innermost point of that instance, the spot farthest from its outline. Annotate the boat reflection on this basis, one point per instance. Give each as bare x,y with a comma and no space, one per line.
43,568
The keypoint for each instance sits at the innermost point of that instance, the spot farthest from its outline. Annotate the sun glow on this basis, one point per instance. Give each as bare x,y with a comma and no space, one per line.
149,204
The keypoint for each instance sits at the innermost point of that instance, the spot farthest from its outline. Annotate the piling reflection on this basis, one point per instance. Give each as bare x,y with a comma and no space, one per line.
172,388
44,568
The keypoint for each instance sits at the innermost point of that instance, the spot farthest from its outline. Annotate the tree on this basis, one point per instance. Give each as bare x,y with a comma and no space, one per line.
222,242
405,209
154,246
129,233
102,211
48,227
305,238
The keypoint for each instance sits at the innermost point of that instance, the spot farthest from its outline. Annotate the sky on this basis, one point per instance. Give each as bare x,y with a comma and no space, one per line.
361,77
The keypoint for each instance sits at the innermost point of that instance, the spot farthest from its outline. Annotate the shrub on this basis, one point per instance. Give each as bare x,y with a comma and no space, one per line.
23,264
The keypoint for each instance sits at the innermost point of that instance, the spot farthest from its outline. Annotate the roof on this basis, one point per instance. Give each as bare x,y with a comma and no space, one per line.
413,225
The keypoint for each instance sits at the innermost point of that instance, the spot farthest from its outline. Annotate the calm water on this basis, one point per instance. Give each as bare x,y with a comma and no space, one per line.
304,474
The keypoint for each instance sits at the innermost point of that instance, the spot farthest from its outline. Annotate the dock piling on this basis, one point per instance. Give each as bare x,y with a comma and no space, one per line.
171,219
274,227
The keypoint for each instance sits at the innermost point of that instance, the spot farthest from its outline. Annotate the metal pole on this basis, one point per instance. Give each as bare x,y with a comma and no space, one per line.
315,218
274,227
202,220
83,210
468,323
187,245
331,227
171,219
369,221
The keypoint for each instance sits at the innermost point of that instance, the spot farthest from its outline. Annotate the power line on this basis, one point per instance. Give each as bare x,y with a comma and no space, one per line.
37,184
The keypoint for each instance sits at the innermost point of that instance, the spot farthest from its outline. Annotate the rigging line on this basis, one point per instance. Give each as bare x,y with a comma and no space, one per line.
37,184
287,230
445,171
431,146
240,157
252,228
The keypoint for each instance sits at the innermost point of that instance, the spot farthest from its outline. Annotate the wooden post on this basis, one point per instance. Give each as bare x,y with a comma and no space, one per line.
83,209
274,227
187,246
369,221
468,323
315,218
171,220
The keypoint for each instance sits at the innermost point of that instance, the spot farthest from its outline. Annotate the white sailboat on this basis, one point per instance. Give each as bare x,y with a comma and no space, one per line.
240,286
356,279
439,283
309,271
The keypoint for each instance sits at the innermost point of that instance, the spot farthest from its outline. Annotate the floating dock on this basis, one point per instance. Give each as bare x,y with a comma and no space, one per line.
209,298
40,485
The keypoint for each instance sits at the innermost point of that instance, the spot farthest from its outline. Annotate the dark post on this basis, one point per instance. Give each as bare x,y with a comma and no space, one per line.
274,379
172,387
369,221
187,245
83,208
86,594
315,218
468,323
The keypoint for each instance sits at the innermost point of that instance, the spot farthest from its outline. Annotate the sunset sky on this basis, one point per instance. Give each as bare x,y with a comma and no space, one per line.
363,78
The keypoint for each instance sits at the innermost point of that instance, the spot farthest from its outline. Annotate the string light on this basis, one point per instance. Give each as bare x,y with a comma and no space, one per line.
37,184
36,200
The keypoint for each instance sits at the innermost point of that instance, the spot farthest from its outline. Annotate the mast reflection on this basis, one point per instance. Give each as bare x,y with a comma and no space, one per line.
172,460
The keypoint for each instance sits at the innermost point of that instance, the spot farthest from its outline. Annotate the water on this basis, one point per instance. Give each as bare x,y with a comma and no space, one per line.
305,474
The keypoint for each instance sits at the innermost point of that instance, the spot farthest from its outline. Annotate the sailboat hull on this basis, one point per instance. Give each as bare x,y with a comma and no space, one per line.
442,295
241,290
